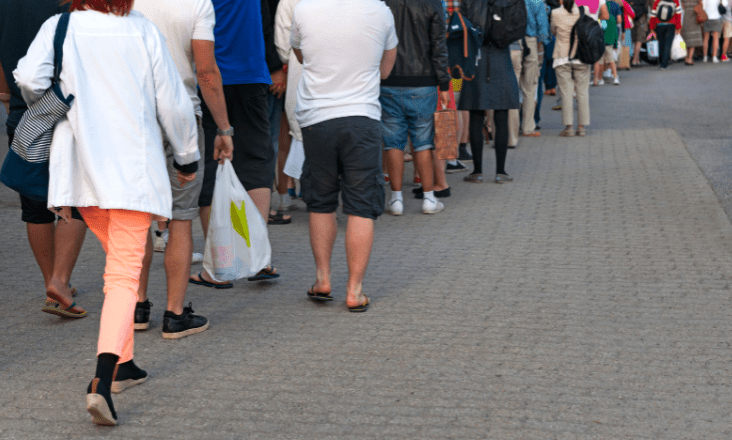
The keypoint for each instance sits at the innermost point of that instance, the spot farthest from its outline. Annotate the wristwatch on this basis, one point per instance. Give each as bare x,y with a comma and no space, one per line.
229,132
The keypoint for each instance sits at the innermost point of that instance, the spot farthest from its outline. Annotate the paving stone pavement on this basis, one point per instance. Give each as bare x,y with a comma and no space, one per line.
586,300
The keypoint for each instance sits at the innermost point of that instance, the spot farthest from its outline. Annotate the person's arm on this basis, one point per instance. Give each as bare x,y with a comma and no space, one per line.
276,72
35,70
677,17
387,62
209,80
542,21
283,28
604,14
653,20
298,54
438,45
4,90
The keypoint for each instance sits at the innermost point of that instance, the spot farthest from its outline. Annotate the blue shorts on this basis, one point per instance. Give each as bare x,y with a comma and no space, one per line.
408,111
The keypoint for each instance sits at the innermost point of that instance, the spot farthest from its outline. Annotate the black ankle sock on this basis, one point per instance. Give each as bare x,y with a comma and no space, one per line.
105,367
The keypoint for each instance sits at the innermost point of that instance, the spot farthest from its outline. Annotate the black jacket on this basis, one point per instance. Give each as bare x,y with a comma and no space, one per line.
422,53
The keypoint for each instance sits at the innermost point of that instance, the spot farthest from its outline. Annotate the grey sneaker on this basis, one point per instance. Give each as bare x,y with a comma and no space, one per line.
503,178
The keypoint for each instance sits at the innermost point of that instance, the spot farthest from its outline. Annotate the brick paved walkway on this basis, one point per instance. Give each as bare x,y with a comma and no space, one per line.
587,300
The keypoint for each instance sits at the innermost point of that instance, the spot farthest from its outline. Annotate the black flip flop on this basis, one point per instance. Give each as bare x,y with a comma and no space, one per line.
278,219
267,273
205,283
362,308
319,296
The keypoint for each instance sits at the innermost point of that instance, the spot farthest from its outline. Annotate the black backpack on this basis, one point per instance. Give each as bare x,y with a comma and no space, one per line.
590,39
463,43
665,10
506,22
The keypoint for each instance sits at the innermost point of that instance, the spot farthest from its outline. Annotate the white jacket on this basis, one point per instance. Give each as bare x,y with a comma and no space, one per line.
108,150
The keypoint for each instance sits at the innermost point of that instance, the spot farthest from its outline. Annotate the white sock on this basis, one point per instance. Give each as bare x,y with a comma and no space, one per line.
429,195
396,195
452,162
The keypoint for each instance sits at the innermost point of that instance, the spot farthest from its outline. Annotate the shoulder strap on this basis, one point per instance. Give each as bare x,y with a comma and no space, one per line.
465,34
573,32
58,44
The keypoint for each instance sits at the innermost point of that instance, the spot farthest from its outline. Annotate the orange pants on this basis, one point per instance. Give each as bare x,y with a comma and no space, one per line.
123,235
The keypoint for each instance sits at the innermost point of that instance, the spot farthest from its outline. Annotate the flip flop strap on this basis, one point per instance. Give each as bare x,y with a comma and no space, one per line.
73,304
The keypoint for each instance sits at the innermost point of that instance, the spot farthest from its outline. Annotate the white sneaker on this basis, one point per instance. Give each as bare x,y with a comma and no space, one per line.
160,240
608,74
616,81
601,82
706,59
396,207
432,206
715,60
196,258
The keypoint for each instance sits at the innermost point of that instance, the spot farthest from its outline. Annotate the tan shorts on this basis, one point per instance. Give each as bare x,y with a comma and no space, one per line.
727,29
608,57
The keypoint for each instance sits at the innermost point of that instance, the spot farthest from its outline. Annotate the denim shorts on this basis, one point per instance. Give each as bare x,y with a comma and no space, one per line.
408,111
343,155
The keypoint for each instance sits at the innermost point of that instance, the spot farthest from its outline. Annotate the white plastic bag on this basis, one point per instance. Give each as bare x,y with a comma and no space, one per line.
295,160
652,49
237,245
678,48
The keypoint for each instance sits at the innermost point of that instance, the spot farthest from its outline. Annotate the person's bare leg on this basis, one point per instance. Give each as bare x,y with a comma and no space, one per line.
705,43
282,153
715,44
440,180
323,230
614,69
395,161
145,272
689,55
178,263
598,72
261,198
41,240
725,46
636,52
359,240
423,163
69,237
204,212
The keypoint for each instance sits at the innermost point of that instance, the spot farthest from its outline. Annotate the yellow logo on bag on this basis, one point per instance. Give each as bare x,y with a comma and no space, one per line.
239,220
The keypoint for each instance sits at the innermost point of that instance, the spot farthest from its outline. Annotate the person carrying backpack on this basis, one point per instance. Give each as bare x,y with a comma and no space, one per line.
665,17
572,74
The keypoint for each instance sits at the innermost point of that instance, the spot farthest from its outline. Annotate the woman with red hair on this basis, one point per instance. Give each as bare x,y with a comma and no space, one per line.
107,157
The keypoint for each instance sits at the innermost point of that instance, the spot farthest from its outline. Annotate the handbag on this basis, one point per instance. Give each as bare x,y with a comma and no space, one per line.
701,14
446,141
237,243
720,7
25,168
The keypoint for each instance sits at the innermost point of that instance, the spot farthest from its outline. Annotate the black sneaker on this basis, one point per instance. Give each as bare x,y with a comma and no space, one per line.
463,154
458,167
439,194
127,375
185,324
142,315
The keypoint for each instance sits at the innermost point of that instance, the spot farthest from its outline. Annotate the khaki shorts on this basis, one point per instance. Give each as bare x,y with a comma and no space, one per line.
727,29
185,200
608,57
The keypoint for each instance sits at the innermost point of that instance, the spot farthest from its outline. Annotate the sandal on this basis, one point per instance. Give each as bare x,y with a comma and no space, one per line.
267,273
567,132
319,296
581,131
278,219
362,308
53,302
202,282
64,313
533,135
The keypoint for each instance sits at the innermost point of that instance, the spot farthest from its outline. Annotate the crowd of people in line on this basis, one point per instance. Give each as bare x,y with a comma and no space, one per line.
333,94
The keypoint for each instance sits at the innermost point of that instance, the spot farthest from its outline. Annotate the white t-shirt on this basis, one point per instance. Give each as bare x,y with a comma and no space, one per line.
595,15
181,21
343,42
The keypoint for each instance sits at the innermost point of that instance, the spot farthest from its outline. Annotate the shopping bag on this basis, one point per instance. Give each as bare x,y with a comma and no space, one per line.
237,245
446,141
678,48
652,48
624,62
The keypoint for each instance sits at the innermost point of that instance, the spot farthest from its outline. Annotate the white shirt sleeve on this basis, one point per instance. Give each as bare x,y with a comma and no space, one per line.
283,29
391,38
203,28
174,110
295,38
35,70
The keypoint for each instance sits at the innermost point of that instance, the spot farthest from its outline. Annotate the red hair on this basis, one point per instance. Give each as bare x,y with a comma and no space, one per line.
118,7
